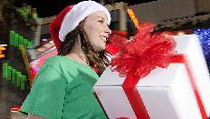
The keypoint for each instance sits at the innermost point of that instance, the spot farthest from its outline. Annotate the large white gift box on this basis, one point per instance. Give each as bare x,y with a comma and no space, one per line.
166,92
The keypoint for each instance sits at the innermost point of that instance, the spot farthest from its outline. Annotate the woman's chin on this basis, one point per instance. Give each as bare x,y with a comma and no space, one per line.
99,49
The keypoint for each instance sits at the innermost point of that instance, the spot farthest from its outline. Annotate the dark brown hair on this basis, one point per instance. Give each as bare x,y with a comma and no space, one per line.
96,60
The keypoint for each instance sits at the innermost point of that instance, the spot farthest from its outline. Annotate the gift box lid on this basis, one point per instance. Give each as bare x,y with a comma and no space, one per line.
187,44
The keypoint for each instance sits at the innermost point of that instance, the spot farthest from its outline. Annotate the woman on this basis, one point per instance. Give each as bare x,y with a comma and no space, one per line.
63,86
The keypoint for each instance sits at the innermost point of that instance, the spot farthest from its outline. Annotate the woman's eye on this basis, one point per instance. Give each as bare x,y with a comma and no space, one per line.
100,21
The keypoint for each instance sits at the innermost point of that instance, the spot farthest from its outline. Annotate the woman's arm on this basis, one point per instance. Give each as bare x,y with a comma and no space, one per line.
34,117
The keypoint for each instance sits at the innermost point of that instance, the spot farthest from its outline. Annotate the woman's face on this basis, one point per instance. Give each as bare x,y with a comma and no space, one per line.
97,30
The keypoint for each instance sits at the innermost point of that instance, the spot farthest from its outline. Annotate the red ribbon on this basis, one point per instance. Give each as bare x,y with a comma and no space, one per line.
135,99
183,59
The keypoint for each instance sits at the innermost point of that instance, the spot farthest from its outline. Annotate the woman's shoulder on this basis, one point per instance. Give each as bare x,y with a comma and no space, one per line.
50,69
55,62
64,61
64,64
52,63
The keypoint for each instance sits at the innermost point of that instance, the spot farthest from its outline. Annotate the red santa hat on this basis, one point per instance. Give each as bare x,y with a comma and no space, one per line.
71,16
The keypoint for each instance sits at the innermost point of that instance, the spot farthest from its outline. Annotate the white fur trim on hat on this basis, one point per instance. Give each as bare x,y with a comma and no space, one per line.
79,12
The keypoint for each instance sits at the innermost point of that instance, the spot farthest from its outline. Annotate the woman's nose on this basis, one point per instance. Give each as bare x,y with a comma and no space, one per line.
107,29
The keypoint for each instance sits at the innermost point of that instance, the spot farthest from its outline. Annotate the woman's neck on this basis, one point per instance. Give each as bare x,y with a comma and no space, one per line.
77,53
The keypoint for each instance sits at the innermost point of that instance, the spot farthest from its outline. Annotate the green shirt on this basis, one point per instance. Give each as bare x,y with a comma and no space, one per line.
63,89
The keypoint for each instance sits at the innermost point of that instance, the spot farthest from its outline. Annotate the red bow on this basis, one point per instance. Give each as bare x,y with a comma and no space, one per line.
143,53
